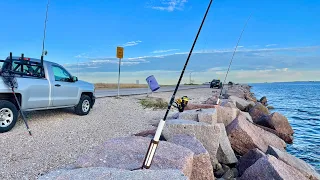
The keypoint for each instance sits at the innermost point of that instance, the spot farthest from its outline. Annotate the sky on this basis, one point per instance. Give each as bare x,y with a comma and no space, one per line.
279,43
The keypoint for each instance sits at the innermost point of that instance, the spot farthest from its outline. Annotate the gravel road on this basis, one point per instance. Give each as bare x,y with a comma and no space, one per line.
60,136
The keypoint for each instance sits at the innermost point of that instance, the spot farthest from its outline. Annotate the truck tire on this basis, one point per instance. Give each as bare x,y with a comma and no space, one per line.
8,115
84,105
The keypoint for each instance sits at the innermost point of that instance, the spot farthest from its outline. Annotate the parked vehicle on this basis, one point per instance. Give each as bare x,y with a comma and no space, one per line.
55,88
215,83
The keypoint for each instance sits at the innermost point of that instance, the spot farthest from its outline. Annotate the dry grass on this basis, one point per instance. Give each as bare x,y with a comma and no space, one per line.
115,86
154,103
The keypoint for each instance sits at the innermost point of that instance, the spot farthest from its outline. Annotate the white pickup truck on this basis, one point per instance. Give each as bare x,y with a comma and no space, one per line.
52,89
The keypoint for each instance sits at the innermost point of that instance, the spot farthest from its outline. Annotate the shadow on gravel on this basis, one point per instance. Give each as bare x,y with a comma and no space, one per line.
46,114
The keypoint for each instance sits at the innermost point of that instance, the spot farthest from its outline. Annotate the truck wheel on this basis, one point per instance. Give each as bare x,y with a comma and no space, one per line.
84,105
8,115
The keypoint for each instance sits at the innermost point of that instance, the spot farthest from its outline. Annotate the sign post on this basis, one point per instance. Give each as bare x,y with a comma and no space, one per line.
120,56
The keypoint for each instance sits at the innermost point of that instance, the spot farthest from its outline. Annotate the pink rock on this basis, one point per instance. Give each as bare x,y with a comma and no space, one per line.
228,104
189,115
287,138
245,136
269,167
211,100
191,106
202,168
146,133
103,173
307,170
241,104
129,152
206,133
209,116
250,97
200,115
225,154
258,112
279,123
226,115
249,159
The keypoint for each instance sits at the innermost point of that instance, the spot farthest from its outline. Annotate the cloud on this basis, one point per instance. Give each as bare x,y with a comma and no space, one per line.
283,69
163,51
260,50
168,5
82,55
269,45
101,64
214,69
213,63
131,43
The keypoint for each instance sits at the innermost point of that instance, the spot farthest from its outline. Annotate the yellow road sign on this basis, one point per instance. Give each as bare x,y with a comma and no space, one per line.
120,52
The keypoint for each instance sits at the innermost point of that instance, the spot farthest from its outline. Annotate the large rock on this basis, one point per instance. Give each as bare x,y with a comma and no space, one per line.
250,97
228,174
226,114
264,101
295,162
248,159
227,103
209,116
287,138
129,152
202,168
225,153
200,115
212,100
149,133
207,134
235,92
258,112
103,173
240,103
244,136
269,167
247,115
189,115
191,106
277,122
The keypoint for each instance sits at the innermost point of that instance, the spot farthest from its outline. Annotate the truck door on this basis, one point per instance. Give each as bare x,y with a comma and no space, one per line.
64,91
35,92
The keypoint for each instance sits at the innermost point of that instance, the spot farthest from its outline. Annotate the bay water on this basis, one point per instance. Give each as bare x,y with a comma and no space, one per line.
300,103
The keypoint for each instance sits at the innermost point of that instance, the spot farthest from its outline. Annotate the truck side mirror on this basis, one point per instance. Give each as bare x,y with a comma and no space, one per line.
74,78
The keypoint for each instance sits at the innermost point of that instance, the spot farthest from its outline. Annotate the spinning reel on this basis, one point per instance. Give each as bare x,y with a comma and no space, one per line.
181,103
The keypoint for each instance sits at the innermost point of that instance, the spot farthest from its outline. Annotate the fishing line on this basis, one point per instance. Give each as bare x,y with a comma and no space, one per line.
234,52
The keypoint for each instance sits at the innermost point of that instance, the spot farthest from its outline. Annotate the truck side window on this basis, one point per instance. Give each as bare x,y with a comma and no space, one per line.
61,74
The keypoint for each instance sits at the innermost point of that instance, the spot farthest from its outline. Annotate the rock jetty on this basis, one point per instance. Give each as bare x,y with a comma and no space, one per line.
237,139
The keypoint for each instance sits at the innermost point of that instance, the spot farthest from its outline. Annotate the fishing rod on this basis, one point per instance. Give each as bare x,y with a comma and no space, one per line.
155,141
44,37
232,60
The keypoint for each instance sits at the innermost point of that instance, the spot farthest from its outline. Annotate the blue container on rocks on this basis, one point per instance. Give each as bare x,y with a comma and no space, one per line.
152,82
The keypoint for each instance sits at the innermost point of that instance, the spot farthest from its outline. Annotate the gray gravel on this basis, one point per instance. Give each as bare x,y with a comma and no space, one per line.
60,136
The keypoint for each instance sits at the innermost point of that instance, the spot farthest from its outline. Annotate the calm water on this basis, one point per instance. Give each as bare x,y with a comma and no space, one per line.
300,103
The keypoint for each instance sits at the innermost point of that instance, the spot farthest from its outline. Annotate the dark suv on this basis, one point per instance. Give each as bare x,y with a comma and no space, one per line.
215,83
